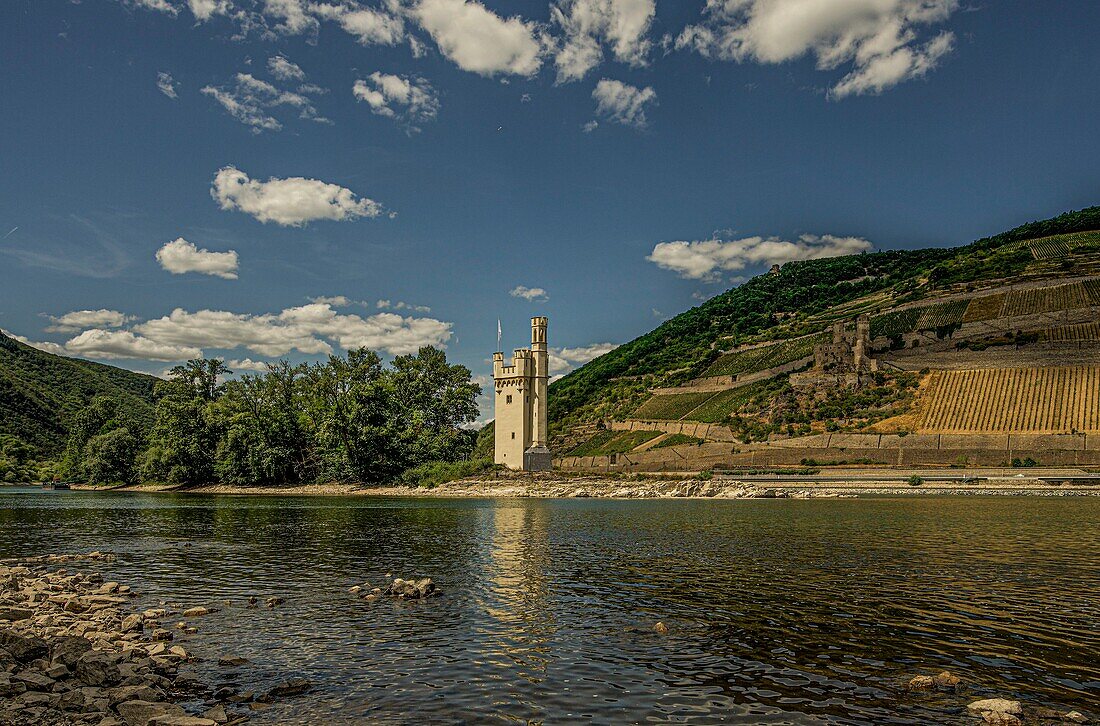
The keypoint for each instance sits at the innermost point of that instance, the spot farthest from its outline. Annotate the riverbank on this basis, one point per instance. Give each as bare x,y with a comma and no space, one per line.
553,485
72,651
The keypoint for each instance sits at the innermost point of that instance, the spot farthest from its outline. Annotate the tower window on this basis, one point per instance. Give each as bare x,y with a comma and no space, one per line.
513,434
508,399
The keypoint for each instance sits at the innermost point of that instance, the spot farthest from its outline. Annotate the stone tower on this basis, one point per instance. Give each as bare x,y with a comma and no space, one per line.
520,404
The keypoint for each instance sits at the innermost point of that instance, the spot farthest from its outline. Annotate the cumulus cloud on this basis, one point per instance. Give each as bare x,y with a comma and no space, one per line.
161,6
879,40
478,40
308,329
205,9
98,343
408,100
247,364
285,70
370,26
291,202
84,319
563,360
708,259
529,293
43,345
167,85
587,24
399,305
252,101
180,256
622,103
336,301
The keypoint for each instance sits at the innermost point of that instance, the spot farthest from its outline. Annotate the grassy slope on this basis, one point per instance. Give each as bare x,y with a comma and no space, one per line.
40,392
784,305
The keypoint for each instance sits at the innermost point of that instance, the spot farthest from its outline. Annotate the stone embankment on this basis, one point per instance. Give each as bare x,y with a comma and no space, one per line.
996,711
73,652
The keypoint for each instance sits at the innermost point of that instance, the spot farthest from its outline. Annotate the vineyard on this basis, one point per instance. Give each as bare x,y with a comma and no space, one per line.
760,359
671,406
1073,333
892,325
942,315
1092,289
722,405
1046,299
1049,248
1011,400
987,307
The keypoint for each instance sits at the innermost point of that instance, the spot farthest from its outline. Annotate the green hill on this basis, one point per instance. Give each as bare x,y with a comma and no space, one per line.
40,393
803,299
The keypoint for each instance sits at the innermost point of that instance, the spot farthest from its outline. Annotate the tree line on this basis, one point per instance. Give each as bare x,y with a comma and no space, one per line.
351,418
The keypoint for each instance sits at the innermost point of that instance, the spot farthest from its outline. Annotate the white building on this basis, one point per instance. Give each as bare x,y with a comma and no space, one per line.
521,404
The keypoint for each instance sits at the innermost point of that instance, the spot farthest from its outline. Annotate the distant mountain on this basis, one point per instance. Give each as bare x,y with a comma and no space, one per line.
773,320
41,392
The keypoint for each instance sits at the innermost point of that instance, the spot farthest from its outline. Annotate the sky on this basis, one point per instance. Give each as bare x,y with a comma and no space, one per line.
266,179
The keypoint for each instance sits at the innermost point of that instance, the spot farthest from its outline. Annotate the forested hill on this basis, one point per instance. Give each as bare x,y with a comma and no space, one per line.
794,302
40,393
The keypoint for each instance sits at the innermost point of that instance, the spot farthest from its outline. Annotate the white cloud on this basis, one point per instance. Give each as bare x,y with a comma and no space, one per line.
291,202
43,345
336,301
708,259
370,26
534,294
251,101
161,6
293,15
205,9
408,100
98,343
167,85
247,364
622,103
285,70
623,24
478,40
84,319
399,305
563,360
180,256
880,40
307,329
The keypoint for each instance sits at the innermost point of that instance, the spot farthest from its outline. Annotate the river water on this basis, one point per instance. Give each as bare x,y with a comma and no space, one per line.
779,611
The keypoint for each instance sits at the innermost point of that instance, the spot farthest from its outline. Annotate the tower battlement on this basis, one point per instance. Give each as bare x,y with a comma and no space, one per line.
520,403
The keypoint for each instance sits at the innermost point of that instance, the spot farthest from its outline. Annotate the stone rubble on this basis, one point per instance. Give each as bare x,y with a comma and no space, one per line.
994,711
71,653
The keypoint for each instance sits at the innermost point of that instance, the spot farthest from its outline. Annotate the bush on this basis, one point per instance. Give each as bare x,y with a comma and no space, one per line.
434,473
915,481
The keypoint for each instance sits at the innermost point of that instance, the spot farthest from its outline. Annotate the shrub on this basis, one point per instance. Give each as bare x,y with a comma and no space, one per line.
434,473
915,481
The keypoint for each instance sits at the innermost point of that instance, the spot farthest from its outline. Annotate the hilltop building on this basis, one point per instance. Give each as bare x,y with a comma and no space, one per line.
520,404
845,361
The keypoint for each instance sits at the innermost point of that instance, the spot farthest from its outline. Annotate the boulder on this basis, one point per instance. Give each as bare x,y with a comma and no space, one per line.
996,705
660,628
140,713
14,613
217,714
291,687
273,601
23,649
921,683
182,721
232,660
947,681
1075,717
195,612
34,680
96,669
67,650
998,718
137,692
132,623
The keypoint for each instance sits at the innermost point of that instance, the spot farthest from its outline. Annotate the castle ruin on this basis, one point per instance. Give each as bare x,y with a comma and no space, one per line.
844,362
520,404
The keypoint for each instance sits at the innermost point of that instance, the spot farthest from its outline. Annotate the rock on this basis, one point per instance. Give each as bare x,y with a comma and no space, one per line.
195,612
273,601
139,692
232,660
95,669
660,628
947,681
34,681
425,587
217,714
996,705
999,718
162,635
56,671
23,649
13,614
921,683
132,623
1075,717
370,598
67,650
182,721
252,600
72,700
140,713
355,589
292,687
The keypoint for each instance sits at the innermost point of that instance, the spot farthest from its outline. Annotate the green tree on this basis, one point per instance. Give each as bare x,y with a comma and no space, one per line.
110,457
184,437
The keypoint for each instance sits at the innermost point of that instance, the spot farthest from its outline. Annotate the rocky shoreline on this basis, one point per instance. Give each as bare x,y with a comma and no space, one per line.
73,652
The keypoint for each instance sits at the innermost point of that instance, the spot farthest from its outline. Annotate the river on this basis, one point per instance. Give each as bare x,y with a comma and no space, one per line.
779,611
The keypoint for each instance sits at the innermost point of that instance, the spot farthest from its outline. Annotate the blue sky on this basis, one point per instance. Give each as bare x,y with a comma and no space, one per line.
254,178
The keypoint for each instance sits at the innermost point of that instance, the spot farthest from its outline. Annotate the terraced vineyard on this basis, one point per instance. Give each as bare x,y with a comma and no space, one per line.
1049,248
671,406
759,359
718,407
942,315
1013,400
1092,289
897,323
1046,299
1073,333
986,307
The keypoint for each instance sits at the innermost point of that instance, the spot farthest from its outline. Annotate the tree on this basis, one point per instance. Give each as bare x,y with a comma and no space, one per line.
184,437
110,457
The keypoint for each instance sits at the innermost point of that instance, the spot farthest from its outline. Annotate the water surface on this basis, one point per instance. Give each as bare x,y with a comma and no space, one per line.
795,612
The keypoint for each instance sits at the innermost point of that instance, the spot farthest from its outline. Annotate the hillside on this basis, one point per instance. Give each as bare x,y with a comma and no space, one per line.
741,362
41,392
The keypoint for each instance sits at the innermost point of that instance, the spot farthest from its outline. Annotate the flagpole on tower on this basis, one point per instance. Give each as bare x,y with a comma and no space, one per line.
498,335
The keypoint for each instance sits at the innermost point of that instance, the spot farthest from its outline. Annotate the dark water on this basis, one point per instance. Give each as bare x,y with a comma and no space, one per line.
779,611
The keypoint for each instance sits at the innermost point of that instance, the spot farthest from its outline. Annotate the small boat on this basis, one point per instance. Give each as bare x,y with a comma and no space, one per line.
56,485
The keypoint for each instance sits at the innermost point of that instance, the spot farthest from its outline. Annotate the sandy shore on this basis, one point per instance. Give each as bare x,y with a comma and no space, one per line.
649,487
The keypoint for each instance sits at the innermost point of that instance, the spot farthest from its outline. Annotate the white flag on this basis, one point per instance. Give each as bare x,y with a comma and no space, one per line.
498,333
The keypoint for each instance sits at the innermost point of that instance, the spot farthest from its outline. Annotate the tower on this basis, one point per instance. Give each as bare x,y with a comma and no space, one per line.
520,404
